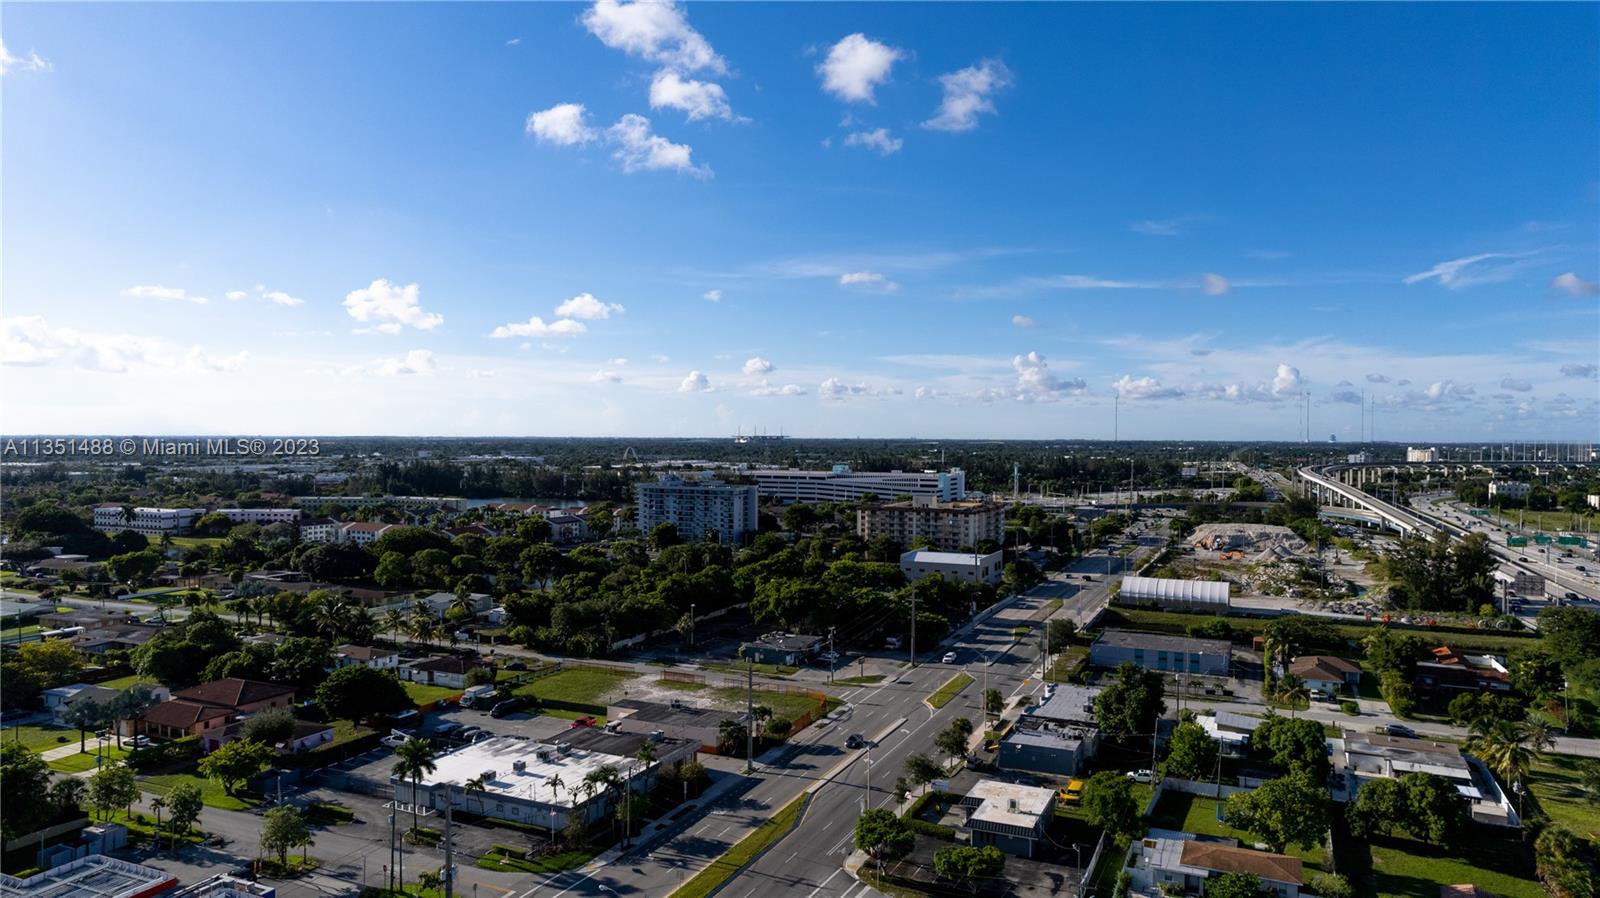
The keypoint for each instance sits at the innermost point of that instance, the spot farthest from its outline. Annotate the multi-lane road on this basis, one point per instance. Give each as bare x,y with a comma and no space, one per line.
893,716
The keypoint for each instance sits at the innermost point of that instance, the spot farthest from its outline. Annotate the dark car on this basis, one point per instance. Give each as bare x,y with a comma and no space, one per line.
507,706
467,734
447,731
516,664
855,740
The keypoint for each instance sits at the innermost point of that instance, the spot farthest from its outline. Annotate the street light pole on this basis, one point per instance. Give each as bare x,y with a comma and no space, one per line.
750,716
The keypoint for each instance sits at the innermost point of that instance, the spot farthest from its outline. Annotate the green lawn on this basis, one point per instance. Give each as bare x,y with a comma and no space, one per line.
553,863
951,688
783,704
1404,868
1176,623
576,685
14,632
723,868
210,791
1556,783
36,738
81,761
130,681
737,667
422,693
1551,522
1198,814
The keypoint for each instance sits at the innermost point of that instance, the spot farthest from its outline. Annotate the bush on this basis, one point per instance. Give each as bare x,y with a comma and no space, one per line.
1330,885
1351,708
931,830
1398,693
164,754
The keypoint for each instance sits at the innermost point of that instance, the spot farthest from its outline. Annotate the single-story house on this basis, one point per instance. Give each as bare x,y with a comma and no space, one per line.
208,709
367,656
59,700
1008,816
449,671
1165,860
1326,673
788,649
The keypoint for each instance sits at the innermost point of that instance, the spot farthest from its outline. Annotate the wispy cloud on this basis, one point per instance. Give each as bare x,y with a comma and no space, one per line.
868,279
1470,271
164,294
1162,227
32,62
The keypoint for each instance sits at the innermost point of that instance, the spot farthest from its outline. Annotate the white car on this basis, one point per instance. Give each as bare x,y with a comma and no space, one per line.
393,740
1141,776
949,658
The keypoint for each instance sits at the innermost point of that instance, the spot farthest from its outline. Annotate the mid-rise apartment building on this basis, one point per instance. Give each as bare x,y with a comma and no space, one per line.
1423,455
112,518
844,485
361,532
697,506
948,526
1508,489
261,515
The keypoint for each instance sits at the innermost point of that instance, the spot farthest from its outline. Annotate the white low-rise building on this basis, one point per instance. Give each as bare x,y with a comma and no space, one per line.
361,532
965,567
537,782
261,515
112,518
1508,489
319,530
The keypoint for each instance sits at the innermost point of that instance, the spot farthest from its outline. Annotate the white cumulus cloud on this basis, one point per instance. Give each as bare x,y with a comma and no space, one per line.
878,139
389,307
1512,383
1022,321
856,66
696,99
565,125
766,389
604,376
758,365
695,382
653,30
585,306
1214,284
968,93
1129,387
712,295
1035,382
417,361
640,149
1286,381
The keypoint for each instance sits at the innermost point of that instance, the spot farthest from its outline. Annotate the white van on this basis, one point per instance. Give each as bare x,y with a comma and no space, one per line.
475,694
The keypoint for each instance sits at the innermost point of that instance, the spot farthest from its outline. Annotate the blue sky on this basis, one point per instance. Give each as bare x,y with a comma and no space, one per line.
834,219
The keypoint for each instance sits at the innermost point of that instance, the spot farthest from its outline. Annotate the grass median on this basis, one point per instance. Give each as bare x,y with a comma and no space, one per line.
723,868
951,688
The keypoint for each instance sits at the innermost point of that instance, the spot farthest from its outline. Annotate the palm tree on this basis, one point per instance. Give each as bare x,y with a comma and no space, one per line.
158,804
479,784
1538,735
604,778
415,759
1292,690
1502,745
421,624
329,615
394,623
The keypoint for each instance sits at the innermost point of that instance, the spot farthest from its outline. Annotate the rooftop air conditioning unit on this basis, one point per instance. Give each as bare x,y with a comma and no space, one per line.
613,726
520,765
488,775
657,735
564,747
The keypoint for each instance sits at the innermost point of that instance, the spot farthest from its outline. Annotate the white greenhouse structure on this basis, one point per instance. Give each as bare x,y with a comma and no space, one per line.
1202,594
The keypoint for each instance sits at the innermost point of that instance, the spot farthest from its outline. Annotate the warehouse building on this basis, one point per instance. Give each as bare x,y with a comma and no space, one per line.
963,567
1155,651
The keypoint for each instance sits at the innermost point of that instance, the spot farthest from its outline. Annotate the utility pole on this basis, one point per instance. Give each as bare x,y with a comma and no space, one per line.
449,850
913,628
832,656
394,864
750,715
691,625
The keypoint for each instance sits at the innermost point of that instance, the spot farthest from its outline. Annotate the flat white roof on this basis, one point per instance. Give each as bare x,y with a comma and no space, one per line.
531,783
94,876
928,556
996,803
1180,590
